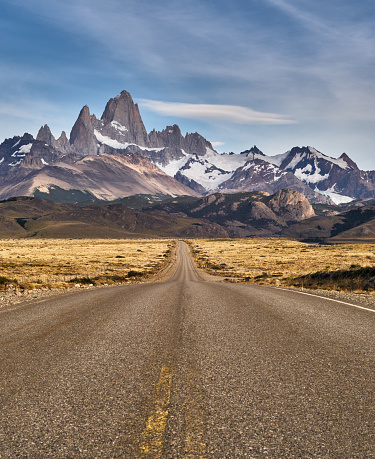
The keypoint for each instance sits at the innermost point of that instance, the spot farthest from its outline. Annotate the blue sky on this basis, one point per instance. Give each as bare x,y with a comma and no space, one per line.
275,73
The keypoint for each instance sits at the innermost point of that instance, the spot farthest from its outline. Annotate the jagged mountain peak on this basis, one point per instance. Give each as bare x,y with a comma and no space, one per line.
253,151
349,161
63,137
121,114
300,157
82,134
84,114
118,108
45,135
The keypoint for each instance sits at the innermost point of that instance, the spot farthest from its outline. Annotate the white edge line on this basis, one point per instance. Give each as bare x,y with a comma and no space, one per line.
326,298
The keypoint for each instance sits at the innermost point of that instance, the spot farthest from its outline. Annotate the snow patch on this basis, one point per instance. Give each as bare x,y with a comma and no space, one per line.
228,163
277,159
1,160
110,142
120,146
25,148
43,188
200,172
147,148
44,162
22,151
336,197
119,126
174,166
312,177
15,164
268,168
210,170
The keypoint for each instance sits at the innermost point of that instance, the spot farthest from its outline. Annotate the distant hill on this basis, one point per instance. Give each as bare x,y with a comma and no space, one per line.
287,213
218,215
34,217
350,226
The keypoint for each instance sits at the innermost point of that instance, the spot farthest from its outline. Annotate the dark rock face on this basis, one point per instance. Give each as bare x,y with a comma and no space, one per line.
82,136
45,135
122,121
190,183
197,144
175,145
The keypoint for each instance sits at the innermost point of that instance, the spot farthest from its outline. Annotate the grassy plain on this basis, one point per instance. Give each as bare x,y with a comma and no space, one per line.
33,263
285,262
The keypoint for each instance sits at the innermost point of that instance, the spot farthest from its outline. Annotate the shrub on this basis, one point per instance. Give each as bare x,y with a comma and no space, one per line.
82,280
4,281
134,274
352,279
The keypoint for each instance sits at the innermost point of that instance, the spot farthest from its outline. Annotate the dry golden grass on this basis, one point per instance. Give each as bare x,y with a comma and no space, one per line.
273,261
55,262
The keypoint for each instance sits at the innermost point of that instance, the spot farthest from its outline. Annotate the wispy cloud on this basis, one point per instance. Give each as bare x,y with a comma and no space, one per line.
232,113
307,18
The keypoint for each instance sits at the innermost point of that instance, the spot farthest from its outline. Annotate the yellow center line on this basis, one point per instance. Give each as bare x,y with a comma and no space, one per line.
195,445
152,443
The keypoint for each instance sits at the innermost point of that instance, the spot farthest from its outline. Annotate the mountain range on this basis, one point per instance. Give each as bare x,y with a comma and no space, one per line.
287,213
217,215
114,156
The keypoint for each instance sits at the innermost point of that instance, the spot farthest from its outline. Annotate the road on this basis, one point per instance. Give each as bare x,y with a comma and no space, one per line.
187,368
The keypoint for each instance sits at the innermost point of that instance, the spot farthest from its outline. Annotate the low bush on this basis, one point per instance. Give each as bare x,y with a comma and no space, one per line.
4,281
362,278
82,280
132,273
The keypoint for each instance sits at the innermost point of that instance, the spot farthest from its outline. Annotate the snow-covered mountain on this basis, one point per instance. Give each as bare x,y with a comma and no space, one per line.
340,178
190,162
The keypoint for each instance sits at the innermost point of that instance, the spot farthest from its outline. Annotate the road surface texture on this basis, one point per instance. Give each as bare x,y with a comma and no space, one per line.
187,368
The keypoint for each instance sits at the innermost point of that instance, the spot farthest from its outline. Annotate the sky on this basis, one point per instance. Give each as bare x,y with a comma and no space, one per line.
271,73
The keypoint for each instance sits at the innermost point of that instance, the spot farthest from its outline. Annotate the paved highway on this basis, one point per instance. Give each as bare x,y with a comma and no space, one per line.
187,368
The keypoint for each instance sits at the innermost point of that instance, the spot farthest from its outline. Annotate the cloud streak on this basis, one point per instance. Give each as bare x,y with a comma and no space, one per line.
232,113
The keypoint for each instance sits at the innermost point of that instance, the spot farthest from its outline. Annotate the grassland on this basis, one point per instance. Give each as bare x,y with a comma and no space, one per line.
35,263
288,262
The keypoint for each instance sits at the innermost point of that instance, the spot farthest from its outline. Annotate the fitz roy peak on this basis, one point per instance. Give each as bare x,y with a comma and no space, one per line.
115,156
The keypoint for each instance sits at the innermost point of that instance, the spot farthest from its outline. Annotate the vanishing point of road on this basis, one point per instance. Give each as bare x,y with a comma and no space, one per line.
187,368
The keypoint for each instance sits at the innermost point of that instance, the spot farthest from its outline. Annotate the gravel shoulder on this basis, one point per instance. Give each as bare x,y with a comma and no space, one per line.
360,299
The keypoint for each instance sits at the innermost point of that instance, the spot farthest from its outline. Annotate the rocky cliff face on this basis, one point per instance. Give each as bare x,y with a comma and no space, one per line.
82,137
293,206
122,121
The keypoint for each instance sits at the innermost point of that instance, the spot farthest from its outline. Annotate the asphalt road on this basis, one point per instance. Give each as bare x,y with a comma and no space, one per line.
187,368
